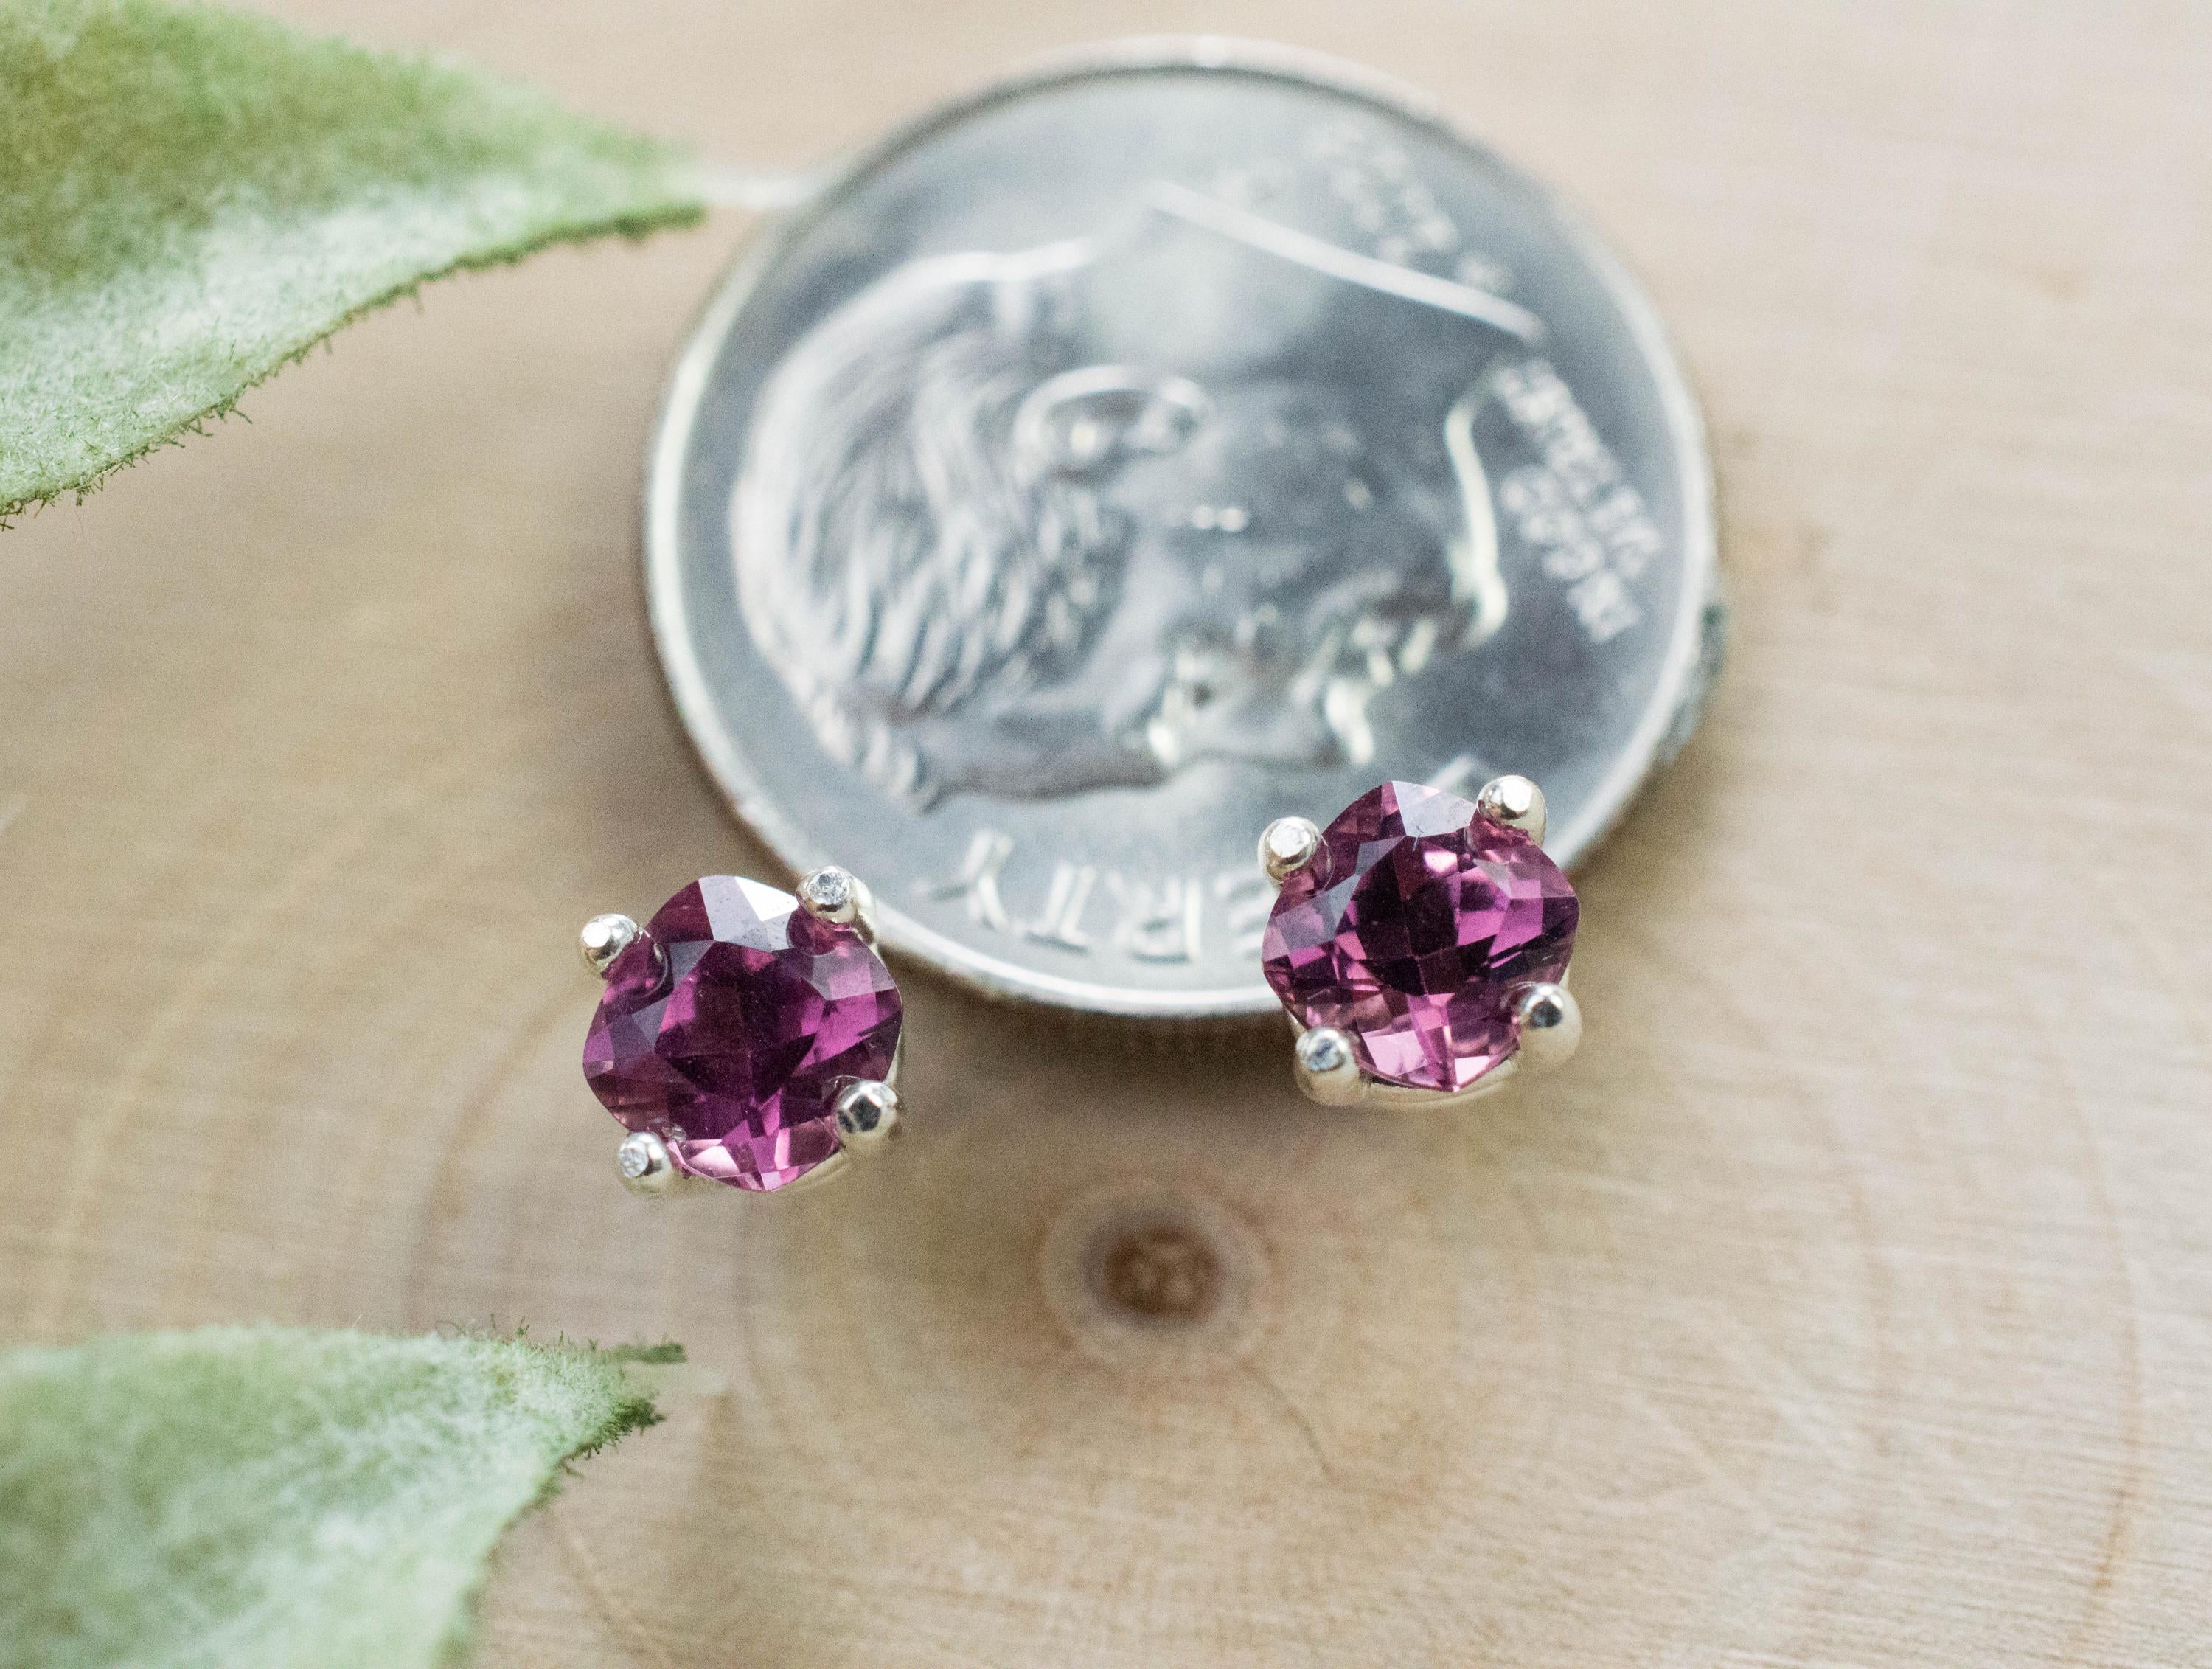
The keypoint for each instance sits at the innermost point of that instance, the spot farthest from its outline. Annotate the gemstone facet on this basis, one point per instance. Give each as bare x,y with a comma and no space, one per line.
1413,929
731,1024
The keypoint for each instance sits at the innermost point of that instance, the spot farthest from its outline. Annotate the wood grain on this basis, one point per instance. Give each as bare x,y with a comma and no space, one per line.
1850,1300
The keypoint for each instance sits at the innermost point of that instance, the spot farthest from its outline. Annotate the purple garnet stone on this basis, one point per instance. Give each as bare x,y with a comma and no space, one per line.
731,1024
1411,931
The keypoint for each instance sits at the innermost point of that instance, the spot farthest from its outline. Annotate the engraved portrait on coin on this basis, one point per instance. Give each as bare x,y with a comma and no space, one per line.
1128,455
997,535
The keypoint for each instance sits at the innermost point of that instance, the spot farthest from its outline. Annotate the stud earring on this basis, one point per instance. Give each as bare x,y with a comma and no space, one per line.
746,1037
1419,945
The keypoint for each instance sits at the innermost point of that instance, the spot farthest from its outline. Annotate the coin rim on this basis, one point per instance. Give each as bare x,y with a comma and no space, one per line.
1693,654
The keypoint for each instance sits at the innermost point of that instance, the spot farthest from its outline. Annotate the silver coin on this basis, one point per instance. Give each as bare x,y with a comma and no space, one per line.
1145,448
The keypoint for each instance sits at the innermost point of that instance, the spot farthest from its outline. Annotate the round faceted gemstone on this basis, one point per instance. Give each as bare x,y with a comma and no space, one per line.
731,1026
1411,931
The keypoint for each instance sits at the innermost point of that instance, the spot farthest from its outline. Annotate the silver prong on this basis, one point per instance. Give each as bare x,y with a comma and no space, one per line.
1286,846
1550,1024
1328,1071
830,894
868,1117
646,1166
840,897
1515,802
604,939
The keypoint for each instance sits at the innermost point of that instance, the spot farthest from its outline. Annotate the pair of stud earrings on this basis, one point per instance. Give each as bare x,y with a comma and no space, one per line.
750,1037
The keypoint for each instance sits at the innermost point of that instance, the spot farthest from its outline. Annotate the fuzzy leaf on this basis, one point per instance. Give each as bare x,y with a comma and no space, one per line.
189,197
263,1498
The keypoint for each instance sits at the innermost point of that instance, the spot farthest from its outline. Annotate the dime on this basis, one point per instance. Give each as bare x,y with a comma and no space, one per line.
1143,449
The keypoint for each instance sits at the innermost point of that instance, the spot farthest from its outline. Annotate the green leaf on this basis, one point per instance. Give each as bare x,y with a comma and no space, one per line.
247,1498
191,198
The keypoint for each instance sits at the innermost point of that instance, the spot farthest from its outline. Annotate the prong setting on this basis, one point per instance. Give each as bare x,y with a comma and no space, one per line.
1515,802
1327,1070
1409,869
1328,1073
841,899
646,1166
1287,845
830,894
804,1014
868,1117
604,938
1550,1024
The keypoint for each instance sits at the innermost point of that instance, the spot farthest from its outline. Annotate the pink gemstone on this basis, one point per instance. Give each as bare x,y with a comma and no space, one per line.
730,1027
1411,931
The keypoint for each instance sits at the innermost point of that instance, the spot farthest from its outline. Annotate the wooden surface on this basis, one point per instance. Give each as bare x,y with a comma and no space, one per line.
1850,1299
